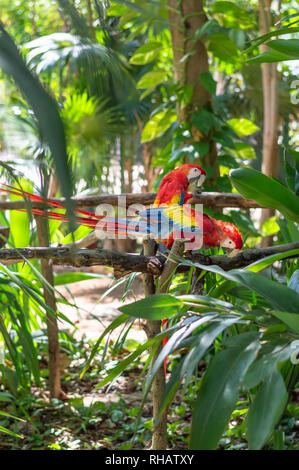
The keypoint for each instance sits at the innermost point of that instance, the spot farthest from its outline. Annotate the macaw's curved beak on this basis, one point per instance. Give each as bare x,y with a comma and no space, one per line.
196,182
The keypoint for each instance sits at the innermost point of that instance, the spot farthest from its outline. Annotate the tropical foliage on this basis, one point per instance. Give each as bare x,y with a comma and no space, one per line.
96,98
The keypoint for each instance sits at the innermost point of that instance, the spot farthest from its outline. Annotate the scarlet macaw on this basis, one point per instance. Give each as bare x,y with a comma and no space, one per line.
168,217
162,222
173,189
174,186
165,223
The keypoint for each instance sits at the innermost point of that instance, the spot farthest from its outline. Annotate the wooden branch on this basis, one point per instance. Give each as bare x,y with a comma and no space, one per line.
170,265
125,262
207,199
148,279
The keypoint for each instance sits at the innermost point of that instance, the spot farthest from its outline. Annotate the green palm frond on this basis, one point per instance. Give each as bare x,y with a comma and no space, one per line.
94,63
148,17
88,118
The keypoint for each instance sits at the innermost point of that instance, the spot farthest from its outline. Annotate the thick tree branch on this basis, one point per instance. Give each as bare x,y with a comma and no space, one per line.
125,262
211,199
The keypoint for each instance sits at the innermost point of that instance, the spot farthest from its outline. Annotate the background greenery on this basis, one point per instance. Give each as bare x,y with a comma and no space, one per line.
90,99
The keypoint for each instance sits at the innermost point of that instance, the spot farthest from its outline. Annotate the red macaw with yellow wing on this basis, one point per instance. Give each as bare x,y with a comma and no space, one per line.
169,217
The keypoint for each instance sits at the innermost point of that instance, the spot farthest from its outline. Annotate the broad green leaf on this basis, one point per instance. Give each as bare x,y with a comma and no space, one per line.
194,151
219,392
200,344
243,126
152,79
290,319
200,149
293,230
289,47
269,56
146,53
19,229
233,15
202,120
204,341
269,260
244,151
222,47
158,124
227,161
154,307
175,342
6,397
244,222
262,418
194,299
80,233
68,278
266,191
276,32
281,297
265,365
270,226
224,138
208,82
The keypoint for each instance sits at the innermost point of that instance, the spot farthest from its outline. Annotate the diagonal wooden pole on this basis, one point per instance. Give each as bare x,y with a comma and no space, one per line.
170,265
153,328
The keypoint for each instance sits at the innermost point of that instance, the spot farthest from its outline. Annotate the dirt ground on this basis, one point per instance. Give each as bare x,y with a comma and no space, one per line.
92,316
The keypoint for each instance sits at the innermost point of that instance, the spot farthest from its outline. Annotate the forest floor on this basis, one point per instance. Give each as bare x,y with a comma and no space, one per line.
91,418
106,418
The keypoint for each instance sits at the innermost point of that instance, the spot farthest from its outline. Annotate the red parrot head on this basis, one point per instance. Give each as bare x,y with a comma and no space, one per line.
194,175
230,236
175,185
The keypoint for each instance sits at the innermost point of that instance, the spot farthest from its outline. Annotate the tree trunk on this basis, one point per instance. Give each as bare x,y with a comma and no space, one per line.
186,17
270,162
51,320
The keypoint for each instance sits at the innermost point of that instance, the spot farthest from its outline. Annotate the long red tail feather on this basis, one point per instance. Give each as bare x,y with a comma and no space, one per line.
34,197
90,220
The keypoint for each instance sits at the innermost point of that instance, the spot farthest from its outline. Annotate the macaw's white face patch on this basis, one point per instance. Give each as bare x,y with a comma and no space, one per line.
228,243
195,178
